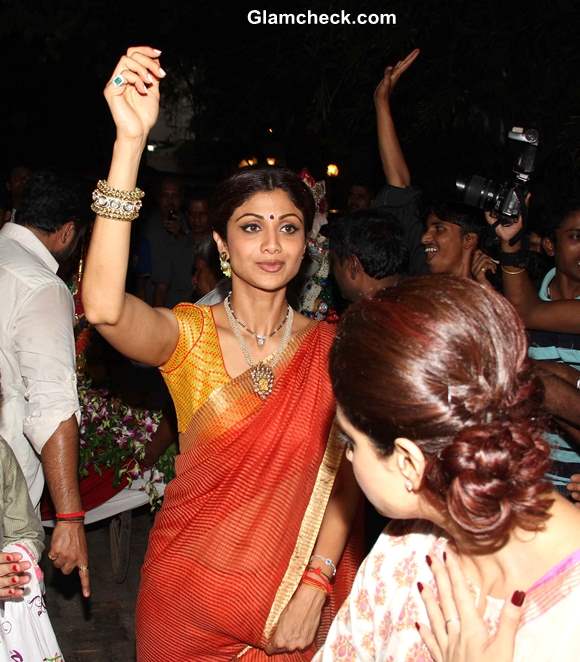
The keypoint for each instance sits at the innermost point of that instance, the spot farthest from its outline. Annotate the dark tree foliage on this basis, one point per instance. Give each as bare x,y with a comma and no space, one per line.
483,67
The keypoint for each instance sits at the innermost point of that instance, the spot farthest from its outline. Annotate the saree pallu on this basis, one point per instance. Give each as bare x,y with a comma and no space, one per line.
240,519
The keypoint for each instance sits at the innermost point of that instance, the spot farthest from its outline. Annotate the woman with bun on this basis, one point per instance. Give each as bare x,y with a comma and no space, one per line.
440,415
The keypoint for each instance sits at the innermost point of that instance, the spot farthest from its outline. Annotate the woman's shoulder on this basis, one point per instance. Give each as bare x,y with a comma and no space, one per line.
194,321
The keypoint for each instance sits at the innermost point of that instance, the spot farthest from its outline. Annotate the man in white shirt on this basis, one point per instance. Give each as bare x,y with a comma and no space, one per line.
39,411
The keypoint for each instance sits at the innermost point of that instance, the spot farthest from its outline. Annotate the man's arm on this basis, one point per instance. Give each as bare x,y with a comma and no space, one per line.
45,350
392,157
60,455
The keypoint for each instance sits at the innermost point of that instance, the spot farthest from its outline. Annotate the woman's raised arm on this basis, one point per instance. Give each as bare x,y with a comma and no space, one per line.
140,332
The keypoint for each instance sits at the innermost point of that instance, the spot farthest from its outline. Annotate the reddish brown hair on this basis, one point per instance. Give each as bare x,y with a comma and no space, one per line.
443,361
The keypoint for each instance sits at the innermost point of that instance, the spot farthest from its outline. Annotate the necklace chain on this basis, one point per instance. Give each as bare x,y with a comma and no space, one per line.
260,339
261,372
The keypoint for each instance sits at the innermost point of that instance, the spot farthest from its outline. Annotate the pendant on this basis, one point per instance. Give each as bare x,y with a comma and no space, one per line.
262,379
261,340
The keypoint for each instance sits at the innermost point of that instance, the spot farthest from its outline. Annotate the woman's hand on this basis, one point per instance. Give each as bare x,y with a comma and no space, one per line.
134,103
12,575
391,76
458,632
299,622
480,265
574,488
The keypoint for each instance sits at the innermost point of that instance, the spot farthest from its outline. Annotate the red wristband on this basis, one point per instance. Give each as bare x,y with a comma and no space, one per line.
78,515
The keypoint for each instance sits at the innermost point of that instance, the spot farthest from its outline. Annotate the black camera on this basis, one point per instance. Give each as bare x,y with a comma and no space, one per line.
504,200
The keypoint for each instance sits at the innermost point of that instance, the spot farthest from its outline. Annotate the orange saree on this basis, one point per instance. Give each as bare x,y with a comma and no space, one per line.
240,519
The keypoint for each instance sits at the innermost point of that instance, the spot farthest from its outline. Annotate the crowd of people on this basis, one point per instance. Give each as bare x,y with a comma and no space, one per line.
445,404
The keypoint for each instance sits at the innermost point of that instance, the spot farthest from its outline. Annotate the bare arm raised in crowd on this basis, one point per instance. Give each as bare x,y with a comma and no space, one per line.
558,316
138,331
394,164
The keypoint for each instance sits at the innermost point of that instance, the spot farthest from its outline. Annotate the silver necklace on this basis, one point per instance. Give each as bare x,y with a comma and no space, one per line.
261,373
260,339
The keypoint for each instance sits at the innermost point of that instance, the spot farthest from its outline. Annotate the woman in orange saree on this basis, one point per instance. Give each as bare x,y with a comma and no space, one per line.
259,514
242,516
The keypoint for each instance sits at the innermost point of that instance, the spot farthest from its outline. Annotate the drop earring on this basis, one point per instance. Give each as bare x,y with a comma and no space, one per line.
225,265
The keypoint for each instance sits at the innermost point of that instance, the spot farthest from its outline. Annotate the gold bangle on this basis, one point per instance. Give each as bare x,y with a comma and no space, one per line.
135,194
512,273
115,204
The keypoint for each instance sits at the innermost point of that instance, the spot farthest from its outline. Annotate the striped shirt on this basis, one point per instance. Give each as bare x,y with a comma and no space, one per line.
562,348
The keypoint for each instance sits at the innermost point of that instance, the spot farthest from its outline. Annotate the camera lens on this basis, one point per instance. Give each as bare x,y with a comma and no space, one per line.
477,192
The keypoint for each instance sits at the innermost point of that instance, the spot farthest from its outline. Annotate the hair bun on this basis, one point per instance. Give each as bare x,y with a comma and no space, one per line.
494,474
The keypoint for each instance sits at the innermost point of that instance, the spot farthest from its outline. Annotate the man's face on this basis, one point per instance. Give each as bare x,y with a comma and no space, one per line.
359,197
170,198
197,216
444,246
567,246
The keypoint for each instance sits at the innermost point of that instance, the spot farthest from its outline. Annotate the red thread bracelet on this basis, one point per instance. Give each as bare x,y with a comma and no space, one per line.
78,515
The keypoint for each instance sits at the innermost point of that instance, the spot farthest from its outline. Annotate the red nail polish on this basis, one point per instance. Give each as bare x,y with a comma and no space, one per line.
518,598
11,591
15,568
417,626
8,558
14,580
428,559
420,587
445,556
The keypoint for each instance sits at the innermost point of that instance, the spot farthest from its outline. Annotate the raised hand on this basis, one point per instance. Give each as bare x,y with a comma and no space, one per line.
458,632
504,232
133,92
391,77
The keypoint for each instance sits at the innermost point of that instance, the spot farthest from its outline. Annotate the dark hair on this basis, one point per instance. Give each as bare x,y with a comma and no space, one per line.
443,361
235,190
468,218
555,216
49,201
375,236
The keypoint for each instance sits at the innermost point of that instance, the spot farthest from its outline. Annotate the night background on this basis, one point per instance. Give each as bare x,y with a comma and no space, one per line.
483,67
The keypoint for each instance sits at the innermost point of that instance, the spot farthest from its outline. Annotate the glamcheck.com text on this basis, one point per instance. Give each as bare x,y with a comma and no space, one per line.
264,17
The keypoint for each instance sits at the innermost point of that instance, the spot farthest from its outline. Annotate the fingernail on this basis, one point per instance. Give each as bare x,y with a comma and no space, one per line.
417,626
15,568
9,558
11,591
518,598
157,51
445,556
428,559
162,72
14,580
420,587
149,78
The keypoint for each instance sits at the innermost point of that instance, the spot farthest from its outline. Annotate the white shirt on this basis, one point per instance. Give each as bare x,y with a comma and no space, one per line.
37,350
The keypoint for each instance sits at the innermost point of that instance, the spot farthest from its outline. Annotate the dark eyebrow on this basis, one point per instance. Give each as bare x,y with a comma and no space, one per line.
283,217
